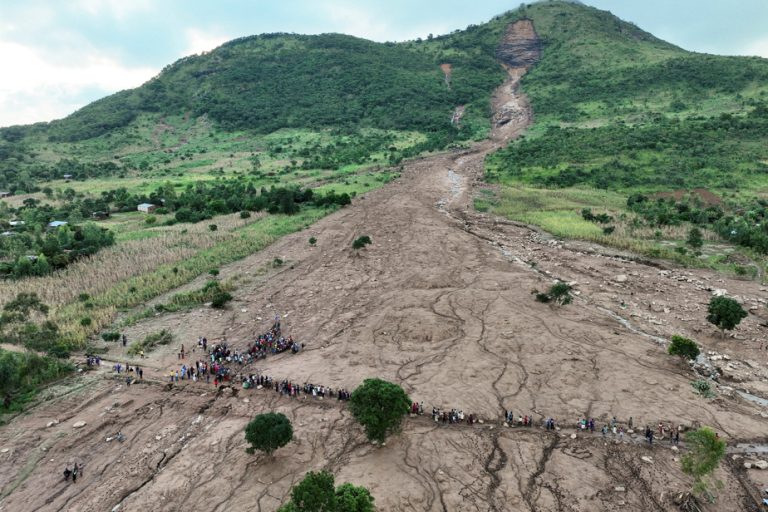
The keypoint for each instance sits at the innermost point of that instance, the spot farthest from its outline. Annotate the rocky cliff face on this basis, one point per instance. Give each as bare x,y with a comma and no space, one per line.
521,46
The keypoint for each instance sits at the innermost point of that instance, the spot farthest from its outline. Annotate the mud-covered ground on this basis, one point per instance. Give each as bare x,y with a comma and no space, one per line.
440,303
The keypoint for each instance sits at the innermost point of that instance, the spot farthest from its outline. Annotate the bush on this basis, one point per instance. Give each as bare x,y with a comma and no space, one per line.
268,432
312,241
110,336
220,299
214,272
83,297
163,337
361,242
559,293
277,262
315,493
703,387
379,406
245,215
213,227
86,321
151,219
683,347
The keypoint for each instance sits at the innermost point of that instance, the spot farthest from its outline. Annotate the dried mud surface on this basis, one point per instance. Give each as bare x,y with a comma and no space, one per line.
440,303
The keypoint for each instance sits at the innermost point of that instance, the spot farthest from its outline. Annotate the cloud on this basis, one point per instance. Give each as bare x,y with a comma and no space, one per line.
357,21
199,41
757,48
118,9
45,88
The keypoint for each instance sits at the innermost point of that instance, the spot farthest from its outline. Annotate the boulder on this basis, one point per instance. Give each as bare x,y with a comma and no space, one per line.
79,424
761,464
52,423
621,278
647,459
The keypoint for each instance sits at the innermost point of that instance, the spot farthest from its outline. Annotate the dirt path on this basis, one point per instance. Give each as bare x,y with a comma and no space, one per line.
440,303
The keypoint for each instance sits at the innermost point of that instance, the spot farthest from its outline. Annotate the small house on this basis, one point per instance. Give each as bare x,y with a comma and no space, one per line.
67,176
15,223
56,224
100,215
7,233
147,207
5,193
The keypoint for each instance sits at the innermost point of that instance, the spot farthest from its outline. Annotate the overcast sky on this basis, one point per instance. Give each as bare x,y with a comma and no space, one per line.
58,55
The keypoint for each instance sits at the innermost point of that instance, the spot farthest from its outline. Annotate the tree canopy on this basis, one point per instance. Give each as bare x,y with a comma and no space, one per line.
315,493
705,450
379,406
268,432
725,313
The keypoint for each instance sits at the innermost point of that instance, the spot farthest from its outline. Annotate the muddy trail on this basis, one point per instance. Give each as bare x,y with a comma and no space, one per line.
440,303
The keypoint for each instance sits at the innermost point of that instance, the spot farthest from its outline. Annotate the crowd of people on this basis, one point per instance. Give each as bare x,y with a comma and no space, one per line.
289,388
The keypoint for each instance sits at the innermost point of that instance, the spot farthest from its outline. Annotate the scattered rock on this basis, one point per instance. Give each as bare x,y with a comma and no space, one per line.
748,465
674,448
573,436
620,488
647,459
761,464
621,278
52,423
79,424
5,450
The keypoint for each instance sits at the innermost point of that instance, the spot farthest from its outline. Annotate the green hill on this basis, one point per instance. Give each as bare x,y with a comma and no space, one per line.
621,114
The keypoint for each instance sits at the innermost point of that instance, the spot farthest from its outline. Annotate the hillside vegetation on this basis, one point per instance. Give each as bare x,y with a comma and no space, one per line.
620,112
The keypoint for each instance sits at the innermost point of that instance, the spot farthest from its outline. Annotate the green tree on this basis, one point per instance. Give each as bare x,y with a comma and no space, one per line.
268,432
314,493
695,239
725,313
683,347
379,406
705,450
351,498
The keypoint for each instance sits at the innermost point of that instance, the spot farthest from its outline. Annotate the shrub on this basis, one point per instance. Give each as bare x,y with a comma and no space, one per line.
212,227
220,299
379,406
268,432
683,347
151,219
85,321
559,293
703,388
277,262
245,215
361,242
83,297
312,241
163,337
214,272
110,336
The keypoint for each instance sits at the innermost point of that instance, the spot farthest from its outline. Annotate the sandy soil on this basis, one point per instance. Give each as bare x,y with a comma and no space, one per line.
440,303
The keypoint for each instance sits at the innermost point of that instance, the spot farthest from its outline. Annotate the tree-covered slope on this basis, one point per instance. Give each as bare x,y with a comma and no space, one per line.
273,81
615,108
